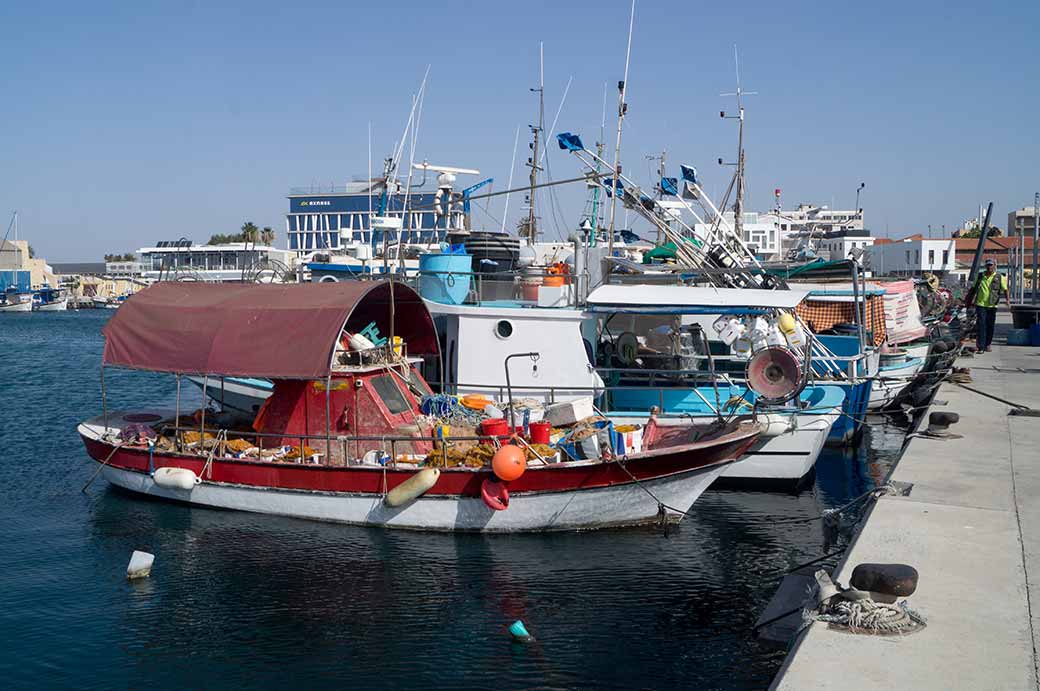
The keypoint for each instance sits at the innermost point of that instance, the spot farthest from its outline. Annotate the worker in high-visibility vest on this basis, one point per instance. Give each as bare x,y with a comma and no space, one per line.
985,296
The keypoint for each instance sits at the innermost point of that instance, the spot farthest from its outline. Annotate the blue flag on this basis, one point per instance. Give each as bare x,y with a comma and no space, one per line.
670,186
689,173
570,142
611,185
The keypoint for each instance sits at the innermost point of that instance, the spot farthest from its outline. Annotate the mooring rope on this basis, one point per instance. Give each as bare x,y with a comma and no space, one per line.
867,616
102,465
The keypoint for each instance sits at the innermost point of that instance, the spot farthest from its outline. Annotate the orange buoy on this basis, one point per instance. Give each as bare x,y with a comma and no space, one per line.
509,462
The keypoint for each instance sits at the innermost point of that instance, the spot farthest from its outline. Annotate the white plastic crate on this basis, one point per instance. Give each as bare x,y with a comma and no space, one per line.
569,412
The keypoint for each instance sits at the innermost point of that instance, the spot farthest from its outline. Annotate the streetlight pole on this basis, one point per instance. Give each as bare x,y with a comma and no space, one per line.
1036,238
859,211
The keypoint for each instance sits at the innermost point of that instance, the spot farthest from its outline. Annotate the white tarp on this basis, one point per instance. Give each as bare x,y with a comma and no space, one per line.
694,296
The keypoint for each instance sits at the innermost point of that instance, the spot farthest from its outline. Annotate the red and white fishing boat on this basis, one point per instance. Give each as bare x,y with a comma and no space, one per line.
341,438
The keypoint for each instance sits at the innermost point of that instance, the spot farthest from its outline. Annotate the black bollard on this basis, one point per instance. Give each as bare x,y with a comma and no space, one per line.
885,581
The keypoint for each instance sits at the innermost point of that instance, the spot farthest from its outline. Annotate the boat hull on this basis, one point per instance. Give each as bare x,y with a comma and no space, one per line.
580,495
787,457
24,306
854,411
891,383
783,458
57,306
613,506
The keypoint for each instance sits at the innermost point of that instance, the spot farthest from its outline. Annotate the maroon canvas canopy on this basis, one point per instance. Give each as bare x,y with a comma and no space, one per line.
258,330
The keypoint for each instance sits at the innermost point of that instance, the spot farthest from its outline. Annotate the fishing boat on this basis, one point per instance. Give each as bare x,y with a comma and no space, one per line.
48,299
896,372
341,437
606,349
13,301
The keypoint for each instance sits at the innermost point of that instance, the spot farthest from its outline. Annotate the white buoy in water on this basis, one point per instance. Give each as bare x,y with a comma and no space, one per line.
140,565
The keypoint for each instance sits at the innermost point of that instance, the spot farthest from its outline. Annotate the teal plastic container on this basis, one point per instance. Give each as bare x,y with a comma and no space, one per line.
1034,335
445,278
1018,337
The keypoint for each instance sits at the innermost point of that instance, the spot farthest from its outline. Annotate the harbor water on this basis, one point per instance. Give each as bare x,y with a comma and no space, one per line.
241,600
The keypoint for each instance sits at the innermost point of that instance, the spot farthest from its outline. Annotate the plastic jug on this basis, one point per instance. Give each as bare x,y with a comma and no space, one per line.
728,329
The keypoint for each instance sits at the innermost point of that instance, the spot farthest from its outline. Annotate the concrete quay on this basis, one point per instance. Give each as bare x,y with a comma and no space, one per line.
971,527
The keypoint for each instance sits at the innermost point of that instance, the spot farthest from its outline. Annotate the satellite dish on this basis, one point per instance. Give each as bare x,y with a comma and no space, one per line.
775,373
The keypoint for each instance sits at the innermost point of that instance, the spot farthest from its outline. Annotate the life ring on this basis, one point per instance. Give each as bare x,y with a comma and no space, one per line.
494,494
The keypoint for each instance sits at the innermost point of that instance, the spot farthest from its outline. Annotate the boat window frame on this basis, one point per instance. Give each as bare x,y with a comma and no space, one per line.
391,396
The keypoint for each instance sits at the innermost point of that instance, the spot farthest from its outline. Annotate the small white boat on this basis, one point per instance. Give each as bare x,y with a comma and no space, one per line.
12,301
49,299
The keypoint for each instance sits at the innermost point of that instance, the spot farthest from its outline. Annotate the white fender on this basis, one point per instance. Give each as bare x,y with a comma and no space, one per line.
175,478
413,487
773,424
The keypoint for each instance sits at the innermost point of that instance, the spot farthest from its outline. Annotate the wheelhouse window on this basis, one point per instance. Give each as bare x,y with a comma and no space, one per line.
418,384
387,389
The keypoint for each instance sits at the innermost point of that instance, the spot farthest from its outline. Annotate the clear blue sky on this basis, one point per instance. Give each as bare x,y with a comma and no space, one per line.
122,124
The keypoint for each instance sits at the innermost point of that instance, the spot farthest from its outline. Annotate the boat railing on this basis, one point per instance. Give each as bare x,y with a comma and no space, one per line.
527,287
378,443
603,398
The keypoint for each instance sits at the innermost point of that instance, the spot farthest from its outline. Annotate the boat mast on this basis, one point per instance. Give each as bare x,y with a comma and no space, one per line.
512,167
622,109
738,204
536,131
597,212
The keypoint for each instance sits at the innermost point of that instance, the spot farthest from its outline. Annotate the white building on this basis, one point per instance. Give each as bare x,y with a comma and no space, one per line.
806,219
227,263
913,256
841,244
761,233
1021,222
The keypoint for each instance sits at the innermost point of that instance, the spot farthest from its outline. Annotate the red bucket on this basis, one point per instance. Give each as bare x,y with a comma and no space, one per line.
494,427
540,432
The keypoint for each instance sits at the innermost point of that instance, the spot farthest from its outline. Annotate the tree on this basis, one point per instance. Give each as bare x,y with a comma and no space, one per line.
993,232
222,239
267,236
250,232
127,257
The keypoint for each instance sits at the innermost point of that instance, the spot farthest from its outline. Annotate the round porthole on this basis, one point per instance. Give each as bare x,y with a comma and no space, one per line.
503,329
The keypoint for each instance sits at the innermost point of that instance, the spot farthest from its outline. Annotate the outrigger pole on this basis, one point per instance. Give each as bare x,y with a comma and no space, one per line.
622,109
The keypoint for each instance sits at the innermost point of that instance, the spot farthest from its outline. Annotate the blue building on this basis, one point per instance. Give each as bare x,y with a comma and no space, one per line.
331,218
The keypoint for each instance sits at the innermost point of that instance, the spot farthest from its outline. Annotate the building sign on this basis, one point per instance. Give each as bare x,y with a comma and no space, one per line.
353,203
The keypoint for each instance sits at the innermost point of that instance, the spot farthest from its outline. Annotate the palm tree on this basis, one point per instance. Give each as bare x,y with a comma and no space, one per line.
267,236
250,232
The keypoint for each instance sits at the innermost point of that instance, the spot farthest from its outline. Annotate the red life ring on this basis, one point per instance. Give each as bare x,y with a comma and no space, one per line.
494,494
